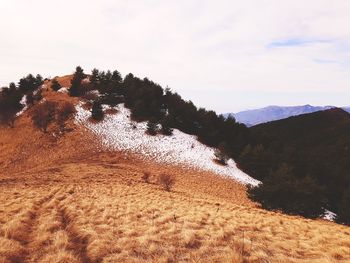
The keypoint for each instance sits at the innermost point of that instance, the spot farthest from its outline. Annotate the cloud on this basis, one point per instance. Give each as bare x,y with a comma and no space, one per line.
199,48
291,42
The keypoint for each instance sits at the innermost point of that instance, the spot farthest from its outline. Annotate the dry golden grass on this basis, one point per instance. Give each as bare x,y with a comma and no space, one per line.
109,214
63,200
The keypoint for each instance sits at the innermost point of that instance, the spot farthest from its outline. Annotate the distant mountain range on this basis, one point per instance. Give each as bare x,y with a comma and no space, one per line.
272,113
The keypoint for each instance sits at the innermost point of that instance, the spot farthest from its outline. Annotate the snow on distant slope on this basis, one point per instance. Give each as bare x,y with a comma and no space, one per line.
118,132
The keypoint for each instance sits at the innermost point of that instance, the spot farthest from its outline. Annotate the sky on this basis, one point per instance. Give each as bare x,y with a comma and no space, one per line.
223,55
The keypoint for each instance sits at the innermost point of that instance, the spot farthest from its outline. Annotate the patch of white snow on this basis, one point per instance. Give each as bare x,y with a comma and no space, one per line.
118,132
63,90
23,101
329,215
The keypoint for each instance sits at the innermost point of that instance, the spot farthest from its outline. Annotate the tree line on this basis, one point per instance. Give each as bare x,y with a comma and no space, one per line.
11,96
163,109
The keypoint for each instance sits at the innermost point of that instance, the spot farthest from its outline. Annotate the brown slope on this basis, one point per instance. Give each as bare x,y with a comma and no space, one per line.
64,200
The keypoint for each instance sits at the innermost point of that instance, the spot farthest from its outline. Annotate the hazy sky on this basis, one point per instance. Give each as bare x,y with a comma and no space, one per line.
224,55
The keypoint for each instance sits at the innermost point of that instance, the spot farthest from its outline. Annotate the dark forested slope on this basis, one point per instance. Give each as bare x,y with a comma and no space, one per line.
314,146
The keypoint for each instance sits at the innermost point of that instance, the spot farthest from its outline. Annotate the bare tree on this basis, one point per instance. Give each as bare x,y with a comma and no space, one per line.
145,177
167,181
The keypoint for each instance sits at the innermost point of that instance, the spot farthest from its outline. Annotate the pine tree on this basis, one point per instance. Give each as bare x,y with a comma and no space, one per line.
116,81
94,77
30,83
116,77
10,104
97,111
166,128
38,81
152,127
76,89
7,112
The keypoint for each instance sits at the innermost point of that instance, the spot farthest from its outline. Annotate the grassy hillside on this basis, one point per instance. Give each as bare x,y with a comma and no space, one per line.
71,206
65,199
315,145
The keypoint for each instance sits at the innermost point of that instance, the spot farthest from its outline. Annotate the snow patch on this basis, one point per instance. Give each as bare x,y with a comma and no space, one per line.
23,101
63,90
118,132
329,215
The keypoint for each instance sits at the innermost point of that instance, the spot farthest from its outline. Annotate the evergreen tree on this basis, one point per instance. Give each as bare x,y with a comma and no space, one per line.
12,87
97,111
94,77
166,126
10,104
116,77
30,83
38,81
8,112
76,88
116,83
102,82
152,127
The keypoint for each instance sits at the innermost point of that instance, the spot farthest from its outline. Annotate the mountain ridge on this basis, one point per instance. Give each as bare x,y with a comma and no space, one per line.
275,112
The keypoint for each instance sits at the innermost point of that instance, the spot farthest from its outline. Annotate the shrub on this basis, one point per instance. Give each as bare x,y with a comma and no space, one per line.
111,99
221,155
90,96
43,115
166,181
55,85
64,112
145,177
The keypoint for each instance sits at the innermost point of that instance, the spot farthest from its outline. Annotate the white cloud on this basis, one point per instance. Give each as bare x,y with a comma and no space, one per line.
196,47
